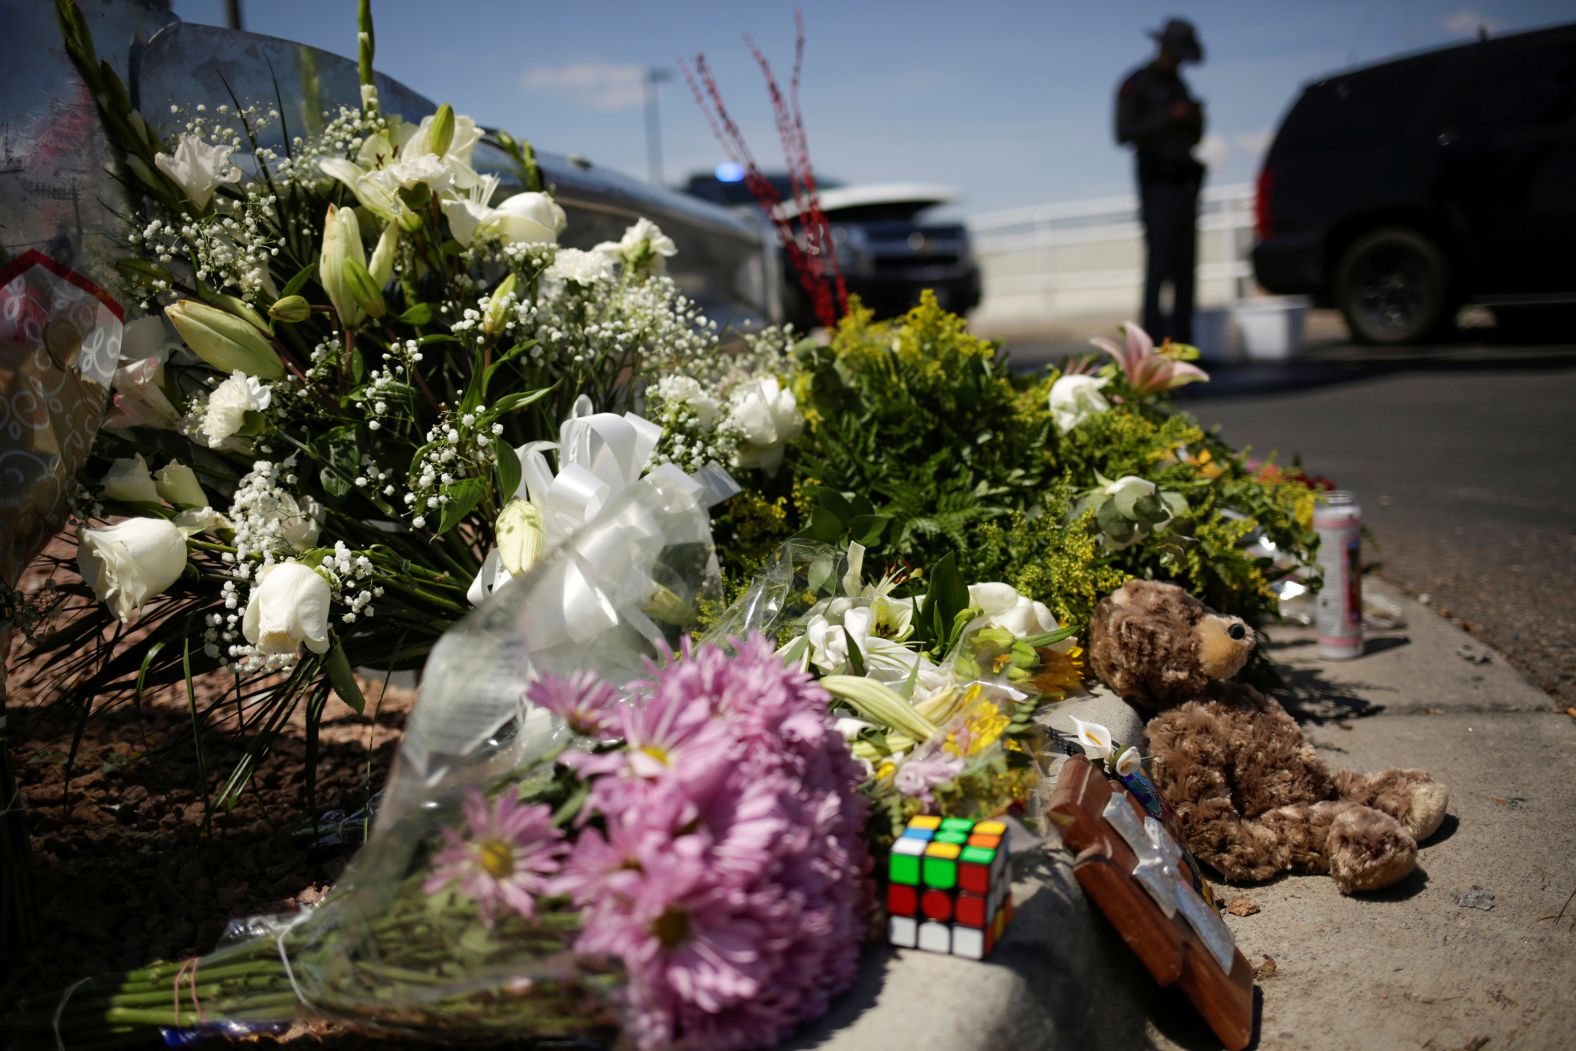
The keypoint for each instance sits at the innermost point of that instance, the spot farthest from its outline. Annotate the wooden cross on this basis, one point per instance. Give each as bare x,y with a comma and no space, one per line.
1133,869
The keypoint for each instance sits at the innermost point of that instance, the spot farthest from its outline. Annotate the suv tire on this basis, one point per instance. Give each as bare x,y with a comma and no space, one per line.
1392,285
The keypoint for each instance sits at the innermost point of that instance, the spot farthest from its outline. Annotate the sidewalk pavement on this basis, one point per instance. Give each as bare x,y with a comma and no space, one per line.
1473,951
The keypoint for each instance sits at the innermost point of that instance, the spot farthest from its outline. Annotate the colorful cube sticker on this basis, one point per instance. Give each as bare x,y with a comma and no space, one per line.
948,888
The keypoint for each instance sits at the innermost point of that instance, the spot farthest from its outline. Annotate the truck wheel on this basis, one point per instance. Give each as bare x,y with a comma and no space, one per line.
1392,285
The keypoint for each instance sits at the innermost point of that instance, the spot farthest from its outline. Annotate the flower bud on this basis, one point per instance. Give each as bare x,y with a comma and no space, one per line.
442,133
179,487
290,310
341,241
223,340
144,272
128,480
521,536
368,295
498,306
382,265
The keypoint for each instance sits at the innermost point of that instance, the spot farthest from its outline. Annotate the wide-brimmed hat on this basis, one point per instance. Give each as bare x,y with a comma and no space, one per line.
1180,38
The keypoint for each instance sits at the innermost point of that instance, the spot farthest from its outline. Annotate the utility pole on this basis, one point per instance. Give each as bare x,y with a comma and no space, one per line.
232,13
652,77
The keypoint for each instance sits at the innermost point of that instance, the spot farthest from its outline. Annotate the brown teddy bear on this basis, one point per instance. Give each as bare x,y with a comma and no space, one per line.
1253,797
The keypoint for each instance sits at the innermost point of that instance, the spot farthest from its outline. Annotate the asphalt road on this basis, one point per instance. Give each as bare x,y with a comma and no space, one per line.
1461,456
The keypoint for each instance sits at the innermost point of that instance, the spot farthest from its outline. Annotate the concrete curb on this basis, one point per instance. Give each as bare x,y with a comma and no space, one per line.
1410,968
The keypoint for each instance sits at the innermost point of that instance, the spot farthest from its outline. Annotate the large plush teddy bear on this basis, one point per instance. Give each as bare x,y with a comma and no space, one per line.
1253,797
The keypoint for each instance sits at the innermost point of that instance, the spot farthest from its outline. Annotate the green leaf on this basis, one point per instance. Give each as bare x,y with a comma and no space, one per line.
946,597
866,529
824,526
420,314
820,573
298,282
508,468
856,656
344,679
516,401
463,496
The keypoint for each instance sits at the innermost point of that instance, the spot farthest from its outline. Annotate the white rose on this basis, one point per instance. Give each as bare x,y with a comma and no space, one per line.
130,562
198,168
179,487
768,418
289,606
1001,606
130,481
299,523
1076,398
228,405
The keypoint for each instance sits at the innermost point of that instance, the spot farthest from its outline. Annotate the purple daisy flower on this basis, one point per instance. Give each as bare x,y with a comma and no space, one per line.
727,868
585,702
507,855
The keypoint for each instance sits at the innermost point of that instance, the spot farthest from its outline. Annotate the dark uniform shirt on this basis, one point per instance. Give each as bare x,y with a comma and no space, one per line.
1143,118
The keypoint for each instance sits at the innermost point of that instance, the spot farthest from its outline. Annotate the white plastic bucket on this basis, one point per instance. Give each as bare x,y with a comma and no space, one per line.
1271,328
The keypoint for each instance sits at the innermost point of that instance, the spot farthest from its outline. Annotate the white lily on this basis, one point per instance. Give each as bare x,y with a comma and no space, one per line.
1074,399
1001,606
198,168
524,218
139,399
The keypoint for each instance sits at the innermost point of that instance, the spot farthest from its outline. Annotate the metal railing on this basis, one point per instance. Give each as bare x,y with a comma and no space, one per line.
1081,258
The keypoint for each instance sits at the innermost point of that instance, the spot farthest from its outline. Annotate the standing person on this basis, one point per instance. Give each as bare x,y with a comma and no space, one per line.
1156,114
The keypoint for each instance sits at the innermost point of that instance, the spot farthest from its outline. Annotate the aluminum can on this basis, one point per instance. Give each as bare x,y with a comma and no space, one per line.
1338,612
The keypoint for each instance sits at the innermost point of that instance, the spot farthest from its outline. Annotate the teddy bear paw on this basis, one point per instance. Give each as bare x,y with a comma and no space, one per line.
1369,850
1425,810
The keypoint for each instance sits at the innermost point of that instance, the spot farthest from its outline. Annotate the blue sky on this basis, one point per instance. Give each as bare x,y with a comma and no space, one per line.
1006,100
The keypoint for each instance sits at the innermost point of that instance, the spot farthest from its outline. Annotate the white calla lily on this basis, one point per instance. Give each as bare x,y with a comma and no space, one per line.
1095,739
1129,762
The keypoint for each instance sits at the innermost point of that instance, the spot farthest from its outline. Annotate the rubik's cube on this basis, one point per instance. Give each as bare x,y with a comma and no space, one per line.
948,890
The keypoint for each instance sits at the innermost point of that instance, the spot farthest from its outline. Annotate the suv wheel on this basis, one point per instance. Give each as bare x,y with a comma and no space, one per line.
1392,286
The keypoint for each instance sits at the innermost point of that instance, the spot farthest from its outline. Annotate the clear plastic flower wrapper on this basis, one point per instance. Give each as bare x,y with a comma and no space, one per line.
936,682
587,834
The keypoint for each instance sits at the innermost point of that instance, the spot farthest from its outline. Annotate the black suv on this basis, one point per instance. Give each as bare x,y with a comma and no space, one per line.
886,251
1401,191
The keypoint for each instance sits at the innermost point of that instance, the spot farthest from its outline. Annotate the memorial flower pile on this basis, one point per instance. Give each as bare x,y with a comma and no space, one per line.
375,415
695,870
368,388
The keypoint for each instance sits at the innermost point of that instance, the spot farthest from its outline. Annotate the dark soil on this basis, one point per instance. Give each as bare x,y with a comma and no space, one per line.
131,865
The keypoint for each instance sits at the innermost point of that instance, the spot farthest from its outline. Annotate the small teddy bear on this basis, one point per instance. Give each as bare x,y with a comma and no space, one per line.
1253,797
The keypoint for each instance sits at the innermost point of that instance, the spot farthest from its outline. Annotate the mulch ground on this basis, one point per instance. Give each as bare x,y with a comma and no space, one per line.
131,865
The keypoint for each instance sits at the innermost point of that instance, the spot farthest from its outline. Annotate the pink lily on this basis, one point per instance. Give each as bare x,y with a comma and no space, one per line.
1147,371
